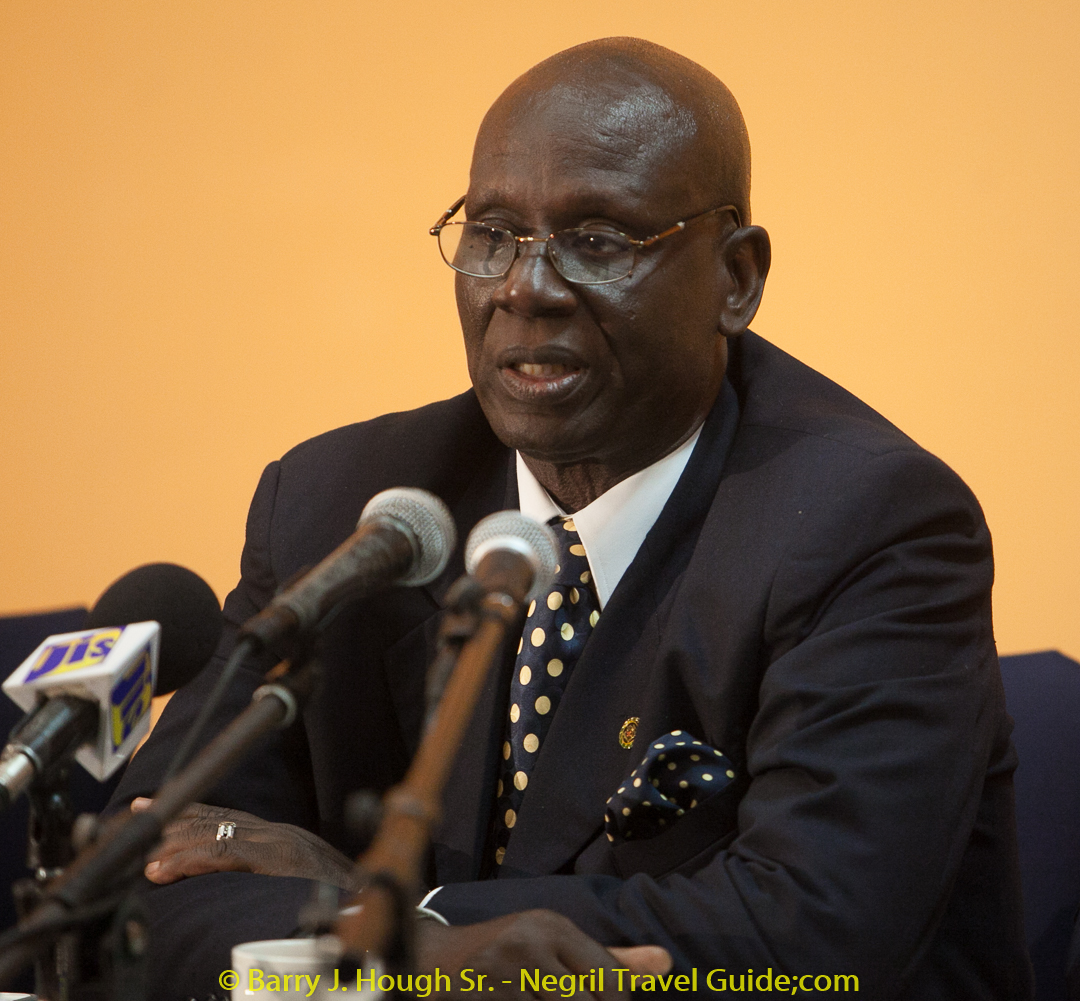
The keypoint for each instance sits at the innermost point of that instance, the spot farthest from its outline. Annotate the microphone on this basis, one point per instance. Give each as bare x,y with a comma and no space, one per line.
513,554
89,692
404,536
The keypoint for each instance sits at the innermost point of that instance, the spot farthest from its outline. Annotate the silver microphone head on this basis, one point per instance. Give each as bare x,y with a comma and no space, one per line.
511,530
427,523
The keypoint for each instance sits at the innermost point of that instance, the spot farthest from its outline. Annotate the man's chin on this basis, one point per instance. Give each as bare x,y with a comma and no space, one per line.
545,438
551,427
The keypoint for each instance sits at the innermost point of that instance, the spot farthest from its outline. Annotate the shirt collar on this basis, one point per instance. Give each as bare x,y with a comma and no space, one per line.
613,527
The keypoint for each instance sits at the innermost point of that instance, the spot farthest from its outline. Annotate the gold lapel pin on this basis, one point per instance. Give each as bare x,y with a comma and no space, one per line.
628,732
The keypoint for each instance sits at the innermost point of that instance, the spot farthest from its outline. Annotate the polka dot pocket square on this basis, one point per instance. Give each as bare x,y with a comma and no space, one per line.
676,774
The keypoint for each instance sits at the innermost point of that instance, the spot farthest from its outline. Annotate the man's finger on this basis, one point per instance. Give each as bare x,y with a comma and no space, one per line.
576,953
141,803
217,856
652,959
198,830
200,811
193,811
192,833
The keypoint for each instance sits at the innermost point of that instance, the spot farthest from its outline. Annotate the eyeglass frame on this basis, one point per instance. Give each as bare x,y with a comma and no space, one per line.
635,245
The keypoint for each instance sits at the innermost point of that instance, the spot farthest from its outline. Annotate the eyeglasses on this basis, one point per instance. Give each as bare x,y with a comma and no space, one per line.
584,256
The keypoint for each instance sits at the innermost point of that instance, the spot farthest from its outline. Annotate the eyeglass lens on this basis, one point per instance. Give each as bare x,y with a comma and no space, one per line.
579,255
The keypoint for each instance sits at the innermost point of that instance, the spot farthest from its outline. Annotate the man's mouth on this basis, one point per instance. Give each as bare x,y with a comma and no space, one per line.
535,381
543,371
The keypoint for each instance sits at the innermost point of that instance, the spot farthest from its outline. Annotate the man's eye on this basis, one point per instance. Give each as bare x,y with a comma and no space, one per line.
596,243
491,235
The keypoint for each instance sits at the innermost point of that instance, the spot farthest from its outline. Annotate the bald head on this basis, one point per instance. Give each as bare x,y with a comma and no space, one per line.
592,380
641,100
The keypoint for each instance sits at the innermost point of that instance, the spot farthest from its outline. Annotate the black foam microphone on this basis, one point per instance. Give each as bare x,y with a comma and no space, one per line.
404,536
88,693
181,602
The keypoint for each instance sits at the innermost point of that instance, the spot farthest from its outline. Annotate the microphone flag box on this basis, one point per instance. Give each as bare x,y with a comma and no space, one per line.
115,667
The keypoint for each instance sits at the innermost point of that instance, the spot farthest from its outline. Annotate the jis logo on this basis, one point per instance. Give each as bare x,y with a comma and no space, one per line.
131,698
83,650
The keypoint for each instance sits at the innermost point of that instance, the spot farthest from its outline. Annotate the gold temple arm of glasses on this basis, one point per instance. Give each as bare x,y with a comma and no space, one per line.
659,236
680,226
445,217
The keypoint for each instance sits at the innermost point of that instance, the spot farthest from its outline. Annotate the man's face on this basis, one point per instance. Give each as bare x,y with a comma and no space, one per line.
615,374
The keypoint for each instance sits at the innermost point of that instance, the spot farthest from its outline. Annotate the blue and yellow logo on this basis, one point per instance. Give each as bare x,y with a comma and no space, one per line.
83,650
131,698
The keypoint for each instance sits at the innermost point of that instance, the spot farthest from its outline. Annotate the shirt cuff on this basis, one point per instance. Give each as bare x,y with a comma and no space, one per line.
424,911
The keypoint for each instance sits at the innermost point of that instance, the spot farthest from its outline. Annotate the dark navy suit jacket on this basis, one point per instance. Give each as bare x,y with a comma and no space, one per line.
814,601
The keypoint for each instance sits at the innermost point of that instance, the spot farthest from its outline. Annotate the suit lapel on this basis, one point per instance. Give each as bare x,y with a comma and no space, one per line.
617,676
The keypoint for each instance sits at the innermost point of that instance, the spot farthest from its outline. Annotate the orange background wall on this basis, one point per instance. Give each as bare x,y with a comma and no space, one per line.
213,245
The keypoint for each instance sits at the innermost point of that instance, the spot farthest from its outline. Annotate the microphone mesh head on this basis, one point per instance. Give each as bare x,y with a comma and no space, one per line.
428,520
515,531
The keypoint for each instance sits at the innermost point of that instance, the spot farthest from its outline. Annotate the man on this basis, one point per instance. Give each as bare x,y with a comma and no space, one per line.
780,581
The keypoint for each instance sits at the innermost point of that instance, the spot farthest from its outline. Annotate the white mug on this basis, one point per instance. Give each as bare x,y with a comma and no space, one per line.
295,968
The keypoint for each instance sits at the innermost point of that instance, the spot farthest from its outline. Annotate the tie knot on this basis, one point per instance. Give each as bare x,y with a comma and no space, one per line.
573,568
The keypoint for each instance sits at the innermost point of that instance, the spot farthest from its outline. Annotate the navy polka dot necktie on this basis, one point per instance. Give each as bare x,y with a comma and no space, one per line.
557,626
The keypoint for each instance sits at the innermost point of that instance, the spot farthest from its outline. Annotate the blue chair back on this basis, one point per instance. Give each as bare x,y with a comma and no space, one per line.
1042,692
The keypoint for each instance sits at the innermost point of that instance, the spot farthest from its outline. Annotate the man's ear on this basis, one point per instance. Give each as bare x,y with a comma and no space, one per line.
747,255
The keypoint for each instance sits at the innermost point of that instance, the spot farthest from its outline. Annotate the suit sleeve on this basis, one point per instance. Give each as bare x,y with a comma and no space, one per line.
879,727
270,782
195,922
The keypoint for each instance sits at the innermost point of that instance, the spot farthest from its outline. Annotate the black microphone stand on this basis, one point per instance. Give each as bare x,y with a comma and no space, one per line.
50,847
84,899
73,957
52,819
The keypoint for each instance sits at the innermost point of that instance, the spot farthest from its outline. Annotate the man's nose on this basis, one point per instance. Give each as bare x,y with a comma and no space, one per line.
533,287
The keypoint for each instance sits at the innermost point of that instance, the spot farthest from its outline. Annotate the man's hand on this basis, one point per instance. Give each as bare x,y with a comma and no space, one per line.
532,940
190,848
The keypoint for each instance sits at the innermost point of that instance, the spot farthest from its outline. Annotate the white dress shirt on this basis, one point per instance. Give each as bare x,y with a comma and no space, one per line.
613,527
